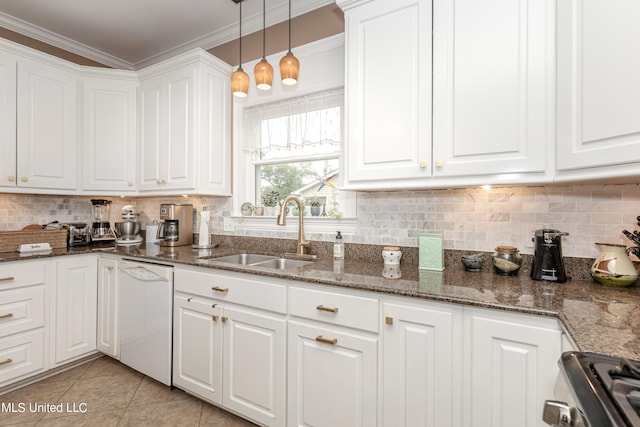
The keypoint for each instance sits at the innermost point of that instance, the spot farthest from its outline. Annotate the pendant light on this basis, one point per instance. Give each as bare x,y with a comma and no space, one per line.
263,71
289,64
240,79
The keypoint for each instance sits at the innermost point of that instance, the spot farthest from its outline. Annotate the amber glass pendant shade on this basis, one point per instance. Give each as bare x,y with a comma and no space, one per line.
289,68
240,83
263,73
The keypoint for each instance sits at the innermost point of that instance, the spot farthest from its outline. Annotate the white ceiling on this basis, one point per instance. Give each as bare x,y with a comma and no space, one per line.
131,34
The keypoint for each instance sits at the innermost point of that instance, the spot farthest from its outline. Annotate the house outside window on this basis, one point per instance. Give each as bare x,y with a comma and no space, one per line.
296,146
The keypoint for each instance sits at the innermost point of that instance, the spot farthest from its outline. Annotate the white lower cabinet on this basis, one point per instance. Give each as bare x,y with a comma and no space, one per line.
332,377
422,356
197,347
23,290
230,354
73,308
107,327
332,357
511,367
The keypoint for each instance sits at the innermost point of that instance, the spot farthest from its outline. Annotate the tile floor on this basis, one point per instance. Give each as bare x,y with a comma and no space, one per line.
114,395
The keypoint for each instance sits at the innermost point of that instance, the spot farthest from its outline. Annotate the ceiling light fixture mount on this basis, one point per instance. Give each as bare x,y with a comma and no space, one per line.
289,64
240,79
263,71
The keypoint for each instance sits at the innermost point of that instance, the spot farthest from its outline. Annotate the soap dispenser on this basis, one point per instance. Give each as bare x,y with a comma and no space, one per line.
338,247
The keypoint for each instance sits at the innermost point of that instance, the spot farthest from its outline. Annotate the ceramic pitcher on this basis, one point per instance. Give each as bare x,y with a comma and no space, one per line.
613,266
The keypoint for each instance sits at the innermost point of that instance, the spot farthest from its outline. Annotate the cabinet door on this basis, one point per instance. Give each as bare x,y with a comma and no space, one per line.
150,169
109,130
47,122
180,125
107,329
513,366
493,86
332,377
422,365
254,365
215,135
598,86
197,347
7,121
74,307
388,83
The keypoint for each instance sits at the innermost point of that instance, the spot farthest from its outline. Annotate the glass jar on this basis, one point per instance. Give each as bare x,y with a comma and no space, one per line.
507,260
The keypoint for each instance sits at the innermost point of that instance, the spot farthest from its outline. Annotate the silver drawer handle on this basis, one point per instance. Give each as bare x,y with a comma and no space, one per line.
6,316
326,340
329,309
6,362
7,279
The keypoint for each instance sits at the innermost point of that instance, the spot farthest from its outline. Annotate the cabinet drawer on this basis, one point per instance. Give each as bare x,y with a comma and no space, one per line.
21,354
239,289
23,273
21,309
336,308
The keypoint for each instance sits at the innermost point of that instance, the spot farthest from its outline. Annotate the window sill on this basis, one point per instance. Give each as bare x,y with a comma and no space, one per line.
312,224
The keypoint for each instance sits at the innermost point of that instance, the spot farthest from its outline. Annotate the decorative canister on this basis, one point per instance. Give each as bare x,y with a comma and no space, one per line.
613,266
391,255
507,260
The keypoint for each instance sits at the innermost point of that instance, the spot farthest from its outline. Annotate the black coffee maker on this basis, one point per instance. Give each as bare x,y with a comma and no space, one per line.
547,259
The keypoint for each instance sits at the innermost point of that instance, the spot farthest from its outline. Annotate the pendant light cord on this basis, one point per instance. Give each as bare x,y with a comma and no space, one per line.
240,39
289,27
264,27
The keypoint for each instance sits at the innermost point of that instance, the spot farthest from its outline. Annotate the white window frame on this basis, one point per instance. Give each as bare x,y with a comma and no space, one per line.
322,68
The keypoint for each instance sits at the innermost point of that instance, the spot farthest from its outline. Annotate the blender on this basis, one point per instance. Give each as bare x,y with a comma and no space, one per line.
101,229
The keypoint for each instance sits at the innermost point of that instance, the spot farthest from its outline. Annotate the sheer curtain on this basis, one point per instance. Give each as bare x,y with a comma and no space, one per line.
306,125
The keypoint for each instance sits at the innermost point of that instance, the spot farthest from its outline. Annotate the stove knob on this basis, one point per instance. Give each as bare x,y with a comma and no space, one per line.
556,413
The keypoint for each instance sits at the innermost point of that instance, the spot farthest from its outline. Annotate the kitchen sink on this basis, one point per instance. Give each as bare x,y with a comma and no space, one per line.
267,261
283,263
240,259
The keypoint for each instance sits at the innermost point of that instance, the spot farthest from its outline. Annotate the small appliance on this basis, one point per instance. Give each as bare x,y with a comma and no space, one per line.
79,233
177,228
101,228
127,231
547,259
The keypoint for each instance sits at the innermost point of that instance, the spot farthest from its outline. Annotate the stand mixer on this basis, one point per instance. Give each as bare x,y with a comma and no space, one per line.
127,231
101,228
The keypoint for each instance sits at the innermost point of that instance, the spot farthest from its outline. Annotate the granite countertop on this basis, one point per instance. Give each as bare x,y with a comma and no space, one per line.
599,319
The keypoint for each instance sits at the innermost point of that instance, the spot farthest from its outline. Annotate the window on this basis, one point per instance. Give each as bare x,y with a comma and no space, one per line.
296,145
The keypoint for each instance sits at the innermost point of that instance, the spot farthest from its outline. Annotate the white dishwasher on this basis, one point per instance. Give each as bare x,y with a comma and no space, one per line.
146,314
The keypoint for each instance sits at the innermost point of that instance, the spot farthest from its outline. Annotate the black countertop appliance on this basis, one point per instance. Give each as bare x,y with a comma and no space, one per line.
547,259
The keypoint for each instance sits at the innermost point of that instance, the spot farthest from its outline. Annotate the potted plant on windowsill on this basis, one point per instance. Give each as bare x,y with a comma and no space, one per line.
315,207
270,201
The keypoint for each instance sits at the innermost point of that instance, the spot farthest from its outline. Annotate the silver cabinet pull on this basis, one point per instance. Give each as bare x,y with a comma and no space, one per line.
334,341
219,289
329,309
6,316
7,279
6,362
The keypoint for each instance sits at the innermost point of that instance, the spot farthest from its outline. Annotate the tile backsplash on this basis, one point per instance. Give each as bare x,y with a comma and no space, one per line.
474,219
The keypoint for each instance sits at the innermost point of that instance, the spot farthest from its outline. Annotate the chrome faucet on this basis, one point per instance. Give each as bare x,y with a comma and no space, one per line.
282,220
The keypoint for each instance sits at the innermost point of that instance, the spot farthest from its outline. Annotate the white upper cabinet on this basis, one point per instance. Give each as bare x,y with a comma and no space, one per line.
8,68
388,91
184,122
598,88
46,126
109,131
491,85
493,88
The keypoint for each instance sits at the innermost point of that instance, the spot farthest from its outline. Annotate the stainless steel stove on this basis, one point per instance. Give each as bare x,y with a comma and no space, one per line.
595,390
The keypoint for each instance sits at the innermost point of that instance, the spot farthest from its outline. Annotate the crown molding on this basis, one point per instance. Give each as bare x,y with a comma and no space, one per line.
251,24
